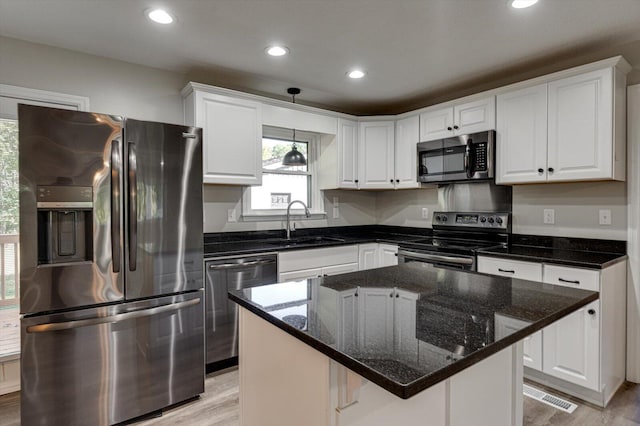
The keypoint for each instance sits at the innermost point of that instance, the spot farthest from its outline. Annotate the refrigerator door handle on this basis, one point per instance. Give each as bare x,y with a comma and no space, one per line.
67,325
133,207
116,167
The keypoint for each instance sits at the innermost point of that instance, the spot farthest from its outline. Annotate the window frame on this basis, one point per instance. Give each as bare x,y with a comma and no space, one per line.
315,195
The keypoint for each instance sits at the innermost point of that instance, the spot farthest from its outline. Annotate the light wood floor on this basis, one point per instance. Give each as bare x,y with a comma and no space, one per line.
219,406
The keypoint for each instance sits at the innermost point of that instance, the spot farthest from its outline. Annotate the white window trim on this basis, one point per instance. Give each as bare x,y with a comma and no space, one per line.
42,97
317,200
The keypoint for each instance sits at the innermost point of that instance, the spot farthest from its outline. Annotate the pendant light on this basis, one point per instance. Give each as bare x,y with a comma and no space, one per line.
294,157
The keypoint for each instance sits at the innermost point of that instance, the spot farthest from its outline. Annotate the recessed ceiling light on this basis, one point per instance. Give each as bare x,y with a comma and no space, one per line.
356,74
277,50
521,4
160,16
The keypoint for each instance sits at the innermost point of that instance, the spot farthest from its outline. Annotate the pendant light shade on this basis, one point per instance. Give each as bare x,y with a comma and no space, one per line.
294,157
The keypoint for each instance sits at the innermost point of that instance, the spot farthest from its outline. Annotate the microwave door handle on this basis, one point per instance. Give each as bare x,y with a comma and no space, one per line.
468,160
133,207
116,167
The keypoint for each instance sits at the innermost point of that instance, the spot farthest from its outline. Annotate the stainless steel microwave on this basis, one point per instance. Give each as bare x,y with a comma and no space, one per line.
461,158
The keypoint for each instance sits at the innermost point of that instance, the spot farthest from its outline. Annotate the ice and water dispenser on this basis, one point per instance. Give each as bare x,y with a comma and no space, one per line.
65,225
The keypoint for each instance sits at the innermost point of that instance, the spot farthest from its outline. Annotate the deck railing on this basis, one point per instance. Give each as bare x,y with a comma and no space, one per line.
9,270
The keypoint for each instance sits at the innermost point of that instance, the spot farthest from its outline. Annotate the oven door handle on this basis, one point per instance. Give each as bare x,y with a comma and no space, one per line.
436,257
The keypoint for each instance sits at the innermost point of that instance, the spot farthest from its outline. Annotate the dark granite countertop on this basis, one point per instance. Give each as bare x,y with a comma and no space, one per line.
578,252
239,243
448,319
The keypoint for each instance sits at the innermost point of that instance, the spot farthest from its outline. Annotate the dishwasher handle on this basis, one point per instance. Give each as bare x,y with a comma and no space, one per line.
241,265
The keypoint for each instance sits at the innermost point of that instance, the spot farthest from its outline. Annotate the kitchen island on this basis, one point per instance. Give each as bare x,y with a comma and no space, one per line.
407,344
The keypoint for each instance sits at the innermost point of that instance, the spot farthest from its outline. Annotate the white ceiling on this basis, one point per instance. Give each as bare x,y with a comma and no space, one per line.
414,51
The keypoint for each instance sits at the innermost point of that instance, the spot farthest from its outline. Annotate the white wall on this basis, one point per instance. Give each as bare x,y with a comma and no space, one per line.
114,87
355,207
576,208
404,207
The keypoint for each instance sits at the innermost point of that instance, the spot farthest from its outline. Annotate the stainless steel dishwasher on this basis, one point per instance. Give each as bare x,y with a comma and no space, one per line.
221,315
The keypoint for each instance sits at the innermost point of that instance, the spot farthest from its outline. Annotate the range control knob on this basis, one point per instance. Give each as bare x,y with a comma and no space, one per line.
499,220
483,219
438,218
444,218
491,220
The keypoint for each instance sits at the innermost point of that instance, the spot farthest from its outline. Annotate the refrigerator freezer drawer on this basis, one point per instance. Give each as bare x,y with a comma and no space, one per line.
106,365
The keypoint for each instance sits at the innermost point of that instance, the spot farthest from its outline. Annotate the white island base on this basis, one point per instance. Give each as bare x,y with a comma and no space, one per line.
285,382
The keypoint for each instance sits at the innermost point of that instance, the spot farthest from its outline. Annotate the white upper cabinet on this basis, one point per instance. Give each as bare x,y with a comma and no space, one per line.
406,163
469,117
376,155
347,154
567,129
521,140
232,136
581,127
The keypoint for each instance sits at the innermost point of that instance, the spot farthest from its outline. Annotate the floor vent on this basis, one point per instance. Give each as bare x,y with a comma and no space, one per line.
549,399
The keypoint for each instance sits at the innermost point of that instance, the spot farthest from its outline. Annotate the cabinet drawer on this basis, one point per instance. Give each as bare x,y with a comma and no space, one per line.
301,274
510,268
586,279
317,258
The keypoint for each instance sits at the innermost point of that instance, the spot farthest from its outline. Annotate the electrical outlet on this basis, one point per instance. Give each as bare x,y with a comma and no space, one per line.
425,213
549,216
231,215
336,202
336,211
605,217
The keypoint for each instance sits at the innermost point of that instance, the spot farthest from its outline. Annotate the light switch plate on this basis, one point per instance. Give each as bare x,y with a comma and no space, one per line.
549,216
231,215
425,213
605,217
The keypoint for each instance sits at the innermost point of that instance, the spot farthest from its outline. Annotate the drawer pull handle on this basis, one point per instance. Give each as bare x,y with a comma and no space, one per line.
591,311
507,271
562,280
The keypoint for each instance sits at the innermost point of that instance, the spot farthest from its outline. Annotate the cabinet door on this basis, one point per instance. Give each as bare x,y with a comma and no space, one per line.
532,344
347,154
376,151
387,255
368,256
580,127
348,320
571,347
476,116
436,124
339,269
406,163
521,140
300,274
232,133
375,316
405,343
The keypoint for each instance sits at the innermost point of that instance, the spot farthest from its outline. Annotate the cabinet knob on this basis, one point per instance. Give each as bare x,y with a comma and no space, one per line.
391,295
591,311
540,171
391,180
397,180
356,181
449,128
397,295
456,127
550,169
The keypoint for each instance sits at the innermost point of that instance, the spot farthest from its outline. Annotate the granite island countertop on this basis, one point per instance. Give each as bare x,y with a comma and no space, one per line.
419,324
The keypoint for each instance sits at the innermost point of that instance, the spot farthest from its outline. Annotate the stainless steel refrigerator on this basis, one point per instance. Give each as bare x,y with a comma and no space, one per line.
111,256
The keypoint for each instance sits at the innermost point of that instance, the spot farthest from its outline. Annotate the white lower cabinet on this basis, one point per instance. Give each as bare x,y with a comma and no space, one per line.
585,348
375,255
313,263
571,347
